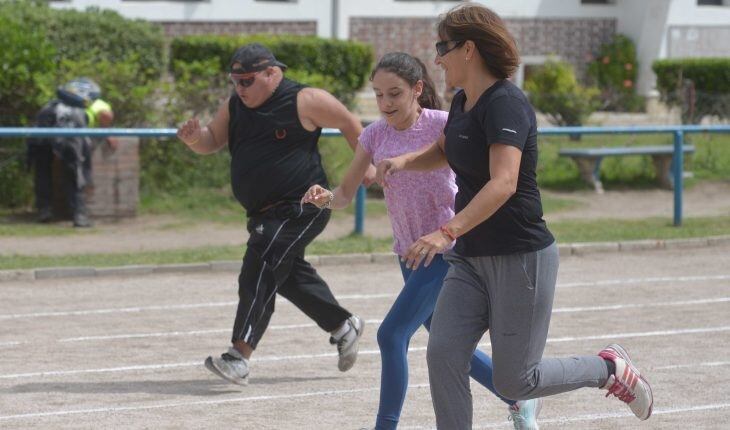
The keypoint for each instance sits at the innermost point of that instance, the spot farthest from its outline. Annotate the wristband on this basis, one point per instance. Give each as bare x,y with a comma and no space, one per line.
445,230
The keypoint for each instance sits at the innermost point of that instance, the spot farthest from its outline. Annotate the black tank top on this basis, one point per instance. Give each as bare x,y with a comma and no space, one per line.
273,158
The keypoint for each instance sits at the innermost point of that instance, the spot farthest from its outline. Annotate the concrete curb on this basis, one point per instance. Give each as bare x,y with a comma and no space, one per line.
565,250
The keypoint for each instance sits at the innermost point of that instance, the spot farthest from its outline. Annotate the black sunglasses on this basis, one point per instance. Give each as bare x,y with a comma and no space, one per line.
244,82
442,48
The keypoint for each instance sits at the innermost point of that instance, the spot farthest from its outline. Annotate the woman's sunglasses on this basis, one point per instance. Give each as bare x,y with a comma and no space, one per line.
239,80
442,48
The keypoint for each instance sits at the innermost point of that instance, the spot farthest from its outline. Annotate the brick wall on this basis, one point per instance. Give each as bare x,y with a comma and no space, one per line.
173,29
572,39
115,193
115,176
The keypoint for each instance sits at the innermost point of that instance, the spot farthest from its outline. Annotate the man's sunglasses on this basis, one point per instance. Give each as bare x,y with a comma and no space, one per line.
246,82
442,48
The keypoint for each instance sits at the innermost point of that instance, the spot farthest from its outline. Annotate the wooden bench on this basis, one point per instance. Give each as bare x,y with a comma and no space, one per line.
589,161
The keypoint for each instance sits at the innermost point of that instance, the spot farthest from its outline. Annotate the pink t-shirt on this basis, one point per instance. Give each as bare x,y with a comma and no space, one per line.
418,202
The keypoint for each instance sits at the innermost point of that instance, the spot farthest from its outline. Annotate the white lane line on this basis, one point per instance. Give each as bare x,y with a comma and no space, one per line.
371,321
195,403
650,280
588,417
364,352
692,365
595,417
134,309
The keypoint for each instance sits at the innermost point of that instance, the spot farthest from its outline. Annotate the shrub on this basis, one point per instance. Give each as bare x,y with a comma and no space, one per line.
344,64
614,70
699,86
554,90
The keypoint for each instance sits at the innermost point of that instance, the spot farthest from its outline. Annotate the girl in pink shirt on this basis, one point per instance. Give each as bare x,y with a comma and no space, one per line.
418,203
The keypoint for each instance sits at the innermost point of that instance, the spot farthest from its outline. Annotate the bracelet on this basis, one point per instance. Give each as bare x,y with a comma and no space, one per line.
445,230
329,201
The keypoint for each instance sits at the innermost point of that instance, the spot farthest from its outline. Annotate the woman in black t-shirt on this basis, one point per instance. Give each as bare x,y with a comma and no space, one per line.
505,262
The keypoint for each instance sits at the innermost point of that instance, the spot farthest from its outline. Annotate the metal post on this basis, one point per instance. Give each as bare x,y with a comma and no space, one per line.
359,210
678,164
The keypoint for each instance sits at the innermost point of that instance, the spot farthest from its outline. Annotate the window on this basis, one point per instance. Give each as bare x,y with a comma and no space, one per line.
597,1
710,3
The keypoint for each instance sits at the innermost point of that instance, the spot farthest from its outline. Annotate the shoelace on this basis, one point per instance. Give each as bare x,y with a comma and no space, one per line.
622,391
519,420
228,357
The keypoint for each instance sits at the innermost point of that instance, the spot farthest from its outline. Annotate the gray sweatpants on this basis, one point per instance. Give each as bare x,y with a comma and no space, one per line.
512,297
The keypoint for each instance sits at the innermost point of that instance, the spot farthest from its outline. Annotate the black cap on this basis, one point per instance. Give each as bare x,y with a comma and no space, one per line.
254,57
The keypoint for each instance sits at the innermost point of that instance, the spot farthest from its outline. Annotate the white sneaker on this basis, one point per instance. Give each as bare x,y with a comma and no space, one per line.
347,345
524,413
230,366
627,383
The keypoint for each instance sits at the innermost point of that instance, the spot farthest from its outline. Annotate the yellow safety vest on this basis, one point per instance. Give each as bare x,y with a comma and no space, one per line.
92,112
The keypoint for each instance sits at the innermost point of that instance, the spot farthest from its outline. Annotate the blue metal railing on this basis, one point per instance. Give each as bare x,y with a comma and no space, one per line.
158,132
678,131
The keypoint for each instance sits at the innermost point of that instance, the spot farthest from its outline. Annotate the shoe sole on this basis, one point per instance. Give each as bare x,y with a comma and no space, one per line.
211,366
625,355
344,366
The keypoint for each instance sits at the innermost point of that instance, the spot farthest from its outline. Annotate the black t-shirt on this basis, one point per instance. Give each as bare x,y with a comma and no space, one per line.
273,158
501,115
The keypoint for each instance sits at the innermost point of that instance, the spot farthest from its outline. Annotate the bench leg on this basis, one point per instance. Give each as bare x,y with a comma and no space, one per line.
589,168
663,168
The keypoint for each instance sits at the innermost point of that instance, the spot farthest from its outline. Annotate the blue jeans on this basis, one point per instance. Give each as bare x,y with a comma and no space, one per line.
413,307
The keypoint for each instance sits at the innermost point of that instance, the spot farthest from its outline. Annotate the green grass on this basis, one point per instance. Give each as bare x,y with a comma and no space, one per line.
569,231
564,231
195,205
710,161
346,245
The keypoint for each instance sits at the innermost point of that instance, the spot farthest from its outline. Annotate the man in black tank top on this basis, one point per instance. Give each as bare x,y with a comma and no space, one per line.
271,126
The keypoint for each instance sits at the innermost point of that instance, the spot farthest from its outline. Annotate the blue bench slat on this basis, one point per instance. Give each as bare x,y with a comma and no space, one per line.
632,150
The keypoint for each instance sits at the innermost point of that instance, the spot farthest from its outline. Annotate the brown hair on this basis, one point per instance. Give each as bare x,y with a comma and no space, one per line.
411,70
489,33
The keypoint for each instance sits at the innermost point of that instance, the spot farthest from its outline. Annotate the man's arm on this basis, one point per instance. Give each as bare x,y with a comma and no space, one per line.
318,108
210,138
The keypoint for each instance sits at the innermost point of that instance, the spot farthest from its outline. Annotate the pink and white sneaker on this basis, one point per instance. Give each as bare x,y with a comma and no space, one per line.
627,383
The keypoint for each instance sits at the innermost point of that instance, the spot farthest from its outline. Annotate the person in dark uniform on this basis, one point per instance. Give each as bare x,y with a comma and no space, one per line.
78,105
271,126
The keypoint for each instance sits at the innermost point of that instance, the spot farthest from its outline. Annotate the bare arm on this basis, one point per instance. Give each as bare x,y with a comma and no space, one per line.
342,195
504,169
429,158
318,108
210,138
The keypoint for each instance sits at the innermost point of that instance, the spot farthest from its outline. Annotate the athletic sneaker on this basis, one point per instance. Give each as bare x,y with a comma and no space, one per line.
348,344
524,413
230,366
627,383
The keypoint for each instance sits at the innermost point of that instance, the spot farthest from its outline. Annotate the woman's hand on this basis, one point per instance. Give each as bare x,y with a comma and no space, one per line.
426,247
318,196
386,168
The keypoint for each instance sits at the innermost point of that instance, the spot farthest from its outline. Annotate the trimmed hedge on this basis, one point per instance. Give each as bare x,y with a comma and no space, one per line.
344,65
711,80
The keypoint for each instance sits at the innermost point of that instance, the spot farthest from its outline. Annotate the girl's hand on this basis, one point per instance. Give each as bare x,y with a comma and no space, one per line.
318,196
